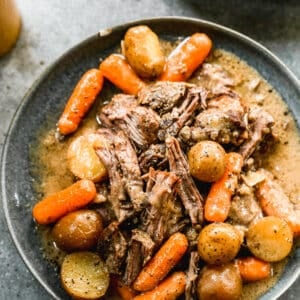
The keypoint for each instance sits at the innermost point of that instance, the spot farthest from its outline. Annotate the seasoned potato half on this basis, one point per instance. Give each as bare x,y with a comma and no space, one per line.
84,275
83,161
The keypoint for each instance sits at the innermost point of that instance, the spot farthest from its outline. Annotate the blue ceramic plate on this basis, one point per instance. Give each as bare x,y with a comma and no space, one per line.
46,99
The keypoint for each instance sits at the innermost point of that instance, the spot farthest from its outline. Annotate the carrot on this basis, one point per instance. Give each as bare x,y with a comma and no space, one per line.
186,57
274,202
253,269
170,289
80,101
55,206
124,291
163,261
218,201
116,69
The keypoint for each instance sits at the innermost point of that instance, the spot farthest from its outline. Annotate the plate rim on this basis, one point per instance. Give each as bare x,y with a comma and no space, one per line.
101,33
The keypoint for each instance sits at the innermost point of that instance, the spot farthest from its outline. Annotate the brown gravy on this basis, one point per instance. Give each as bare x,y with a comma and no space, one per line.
54,174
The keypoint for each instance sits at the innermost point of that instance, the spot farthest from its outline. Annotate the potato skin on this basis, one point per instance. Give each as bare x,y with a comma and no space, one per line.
84,275
219,283
219,243
78,230
270,239
207,161
142,50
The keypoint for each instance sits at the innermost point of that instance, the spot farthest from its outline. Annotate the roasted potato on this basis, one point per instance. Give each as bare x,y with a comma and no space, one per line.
207,161
84,275
219,243
78,230
83,161
142,50
270,239
219,283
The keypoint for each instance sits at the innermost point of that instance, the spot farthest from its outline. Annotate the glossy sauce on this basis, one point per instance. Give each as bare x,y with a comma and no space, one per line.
55,176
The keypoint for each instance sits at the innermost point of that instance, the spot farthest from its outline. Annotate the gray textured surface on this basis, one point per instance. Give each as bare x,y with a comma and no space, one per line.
51,27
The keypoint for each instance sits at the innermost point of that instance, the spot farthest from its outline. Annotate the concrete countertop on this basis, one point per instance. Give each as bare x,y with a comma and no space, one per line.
51,27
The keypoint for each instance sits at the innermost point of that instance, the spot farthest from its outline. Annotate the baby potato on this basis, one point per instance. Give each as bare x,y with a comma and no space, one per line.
219,283
270,239
219,243
143,52
78,230
83,161
207,161
84,275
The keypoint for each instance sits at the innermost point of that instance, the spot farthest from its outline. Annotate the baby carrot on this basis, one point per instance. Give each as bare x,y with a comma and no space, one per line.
162,262
80,101
170,289
124,291
116,69
186,57
59,204
218,201
253,269
274,202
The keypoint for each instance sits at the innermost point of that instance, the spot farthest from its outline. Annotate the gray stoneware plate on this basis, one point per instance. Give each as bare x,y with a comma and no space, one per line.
47,97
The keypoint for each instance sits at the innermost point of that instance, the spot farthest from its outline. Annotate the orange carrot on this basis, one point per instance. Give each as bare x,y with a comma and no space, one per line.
59,204
80,101
274,202
186,57
163,261
116,69
253,269
124,291
170,289
218,201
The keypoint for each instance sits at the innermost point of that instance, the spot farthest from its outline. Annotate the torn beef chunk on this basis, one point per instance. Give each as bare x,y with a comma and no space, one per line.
112,247
163,211
215,79
192,276
260,127
224,121
244,207
154,156
187,190
162,96
172,122
117,196
140,123
132,179
139,253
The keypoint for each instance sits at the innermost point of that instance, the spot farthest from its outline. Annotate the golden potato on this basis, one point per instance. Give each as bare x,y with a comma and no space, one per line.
142,50
83,161
270,239
84,275
219,243
207,161
219,283
78,230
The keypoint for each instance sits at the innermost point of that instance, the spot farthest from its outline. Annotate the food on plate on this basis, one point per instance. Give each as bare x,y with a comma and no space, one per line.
83,160
217,204
143,51
270,239
117,70
219,243
180,186
82,98
207,161
78,230
220,283
84,275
